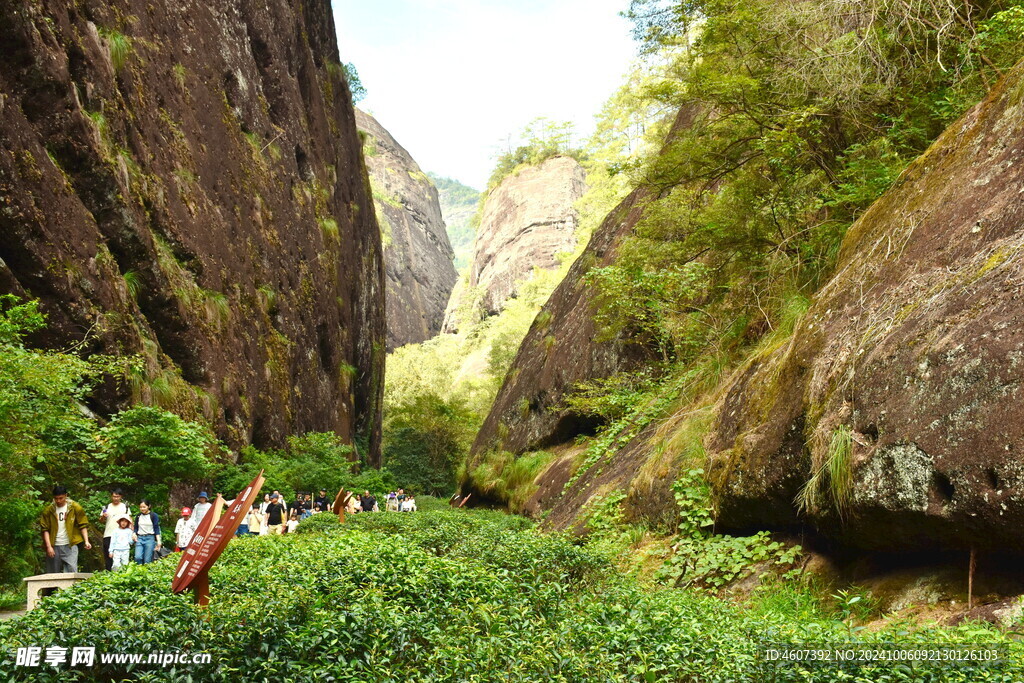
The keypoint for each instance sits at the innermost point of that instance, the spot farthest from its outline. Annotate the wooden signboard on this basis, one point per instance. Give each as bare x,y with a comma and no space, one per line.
209,541
340,501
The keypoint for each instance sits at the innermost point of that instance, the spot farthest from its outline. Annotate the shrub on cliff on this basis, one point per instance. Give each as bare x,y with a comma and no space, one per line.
540,140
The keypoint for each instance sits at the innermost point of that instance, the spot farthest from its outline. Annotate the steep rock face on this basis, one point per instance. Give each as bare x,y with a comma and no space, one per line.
907,370
559,351
417,255
562,347
528,219
184,181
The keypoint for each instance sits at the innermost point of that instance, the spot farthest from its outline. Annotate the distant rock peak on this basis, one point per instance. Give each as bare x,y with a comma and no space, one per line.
527,222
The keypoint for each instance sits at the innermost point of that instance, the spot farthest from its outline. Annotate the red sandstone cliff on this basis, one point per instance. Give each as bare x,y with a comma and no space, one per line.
183,181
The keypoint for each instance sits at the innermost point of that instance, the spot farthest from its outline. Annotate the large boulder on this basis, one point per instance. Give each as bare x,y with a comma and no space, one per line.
564,346
894,414
528,222
183,181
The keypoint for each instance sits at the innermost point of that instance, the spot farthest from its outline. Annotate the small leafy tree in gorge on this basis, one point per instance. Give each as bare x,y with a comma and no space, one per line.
355,85
40,397
149,450
426,440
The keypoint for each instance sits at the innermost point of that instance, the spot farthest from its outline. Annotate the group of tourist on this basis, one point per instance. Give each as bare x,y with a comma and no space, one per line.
65,525
65,528
395,501
400,501
275,516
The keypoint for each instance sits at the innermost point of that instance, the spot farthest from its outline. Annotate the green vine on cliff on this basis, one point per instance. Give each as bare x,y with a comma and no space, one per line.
619,433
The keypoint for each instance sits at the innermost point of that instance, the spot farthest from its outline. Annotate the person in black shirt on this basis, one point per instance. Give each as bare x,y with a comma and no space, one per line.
367,502
321,502
273,518
296,505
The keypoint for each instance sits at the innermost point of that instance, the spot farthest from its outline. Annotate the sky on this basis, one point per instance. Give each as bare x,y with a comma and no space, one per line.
452,79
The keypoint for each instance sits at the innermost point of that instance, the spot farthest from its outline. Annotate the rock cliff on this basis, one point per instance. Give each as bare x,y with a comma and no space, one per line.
890,420
901,388
417,255
527,221
184,181
561,349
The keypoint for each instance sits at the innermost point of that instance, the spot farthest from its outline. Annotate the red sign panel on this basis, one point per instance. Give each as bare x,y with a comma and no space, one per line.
210,539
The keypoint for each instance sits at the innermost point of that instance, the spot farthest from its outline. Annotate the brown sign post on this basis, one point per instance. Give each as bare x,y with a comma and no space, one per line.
209,541
340,501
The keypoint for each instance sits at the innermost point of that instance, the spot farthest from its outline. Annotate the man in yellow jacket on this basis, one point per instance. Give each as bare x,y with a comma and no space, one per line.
64,526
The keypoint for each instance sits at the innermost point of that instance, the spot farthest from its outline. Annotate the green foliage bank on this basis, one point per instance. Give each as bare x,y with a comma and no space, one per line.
449,596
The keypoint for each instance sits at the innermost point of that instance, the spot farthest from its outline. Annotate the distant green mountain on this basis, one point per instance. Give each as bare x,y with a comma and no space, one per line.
458,204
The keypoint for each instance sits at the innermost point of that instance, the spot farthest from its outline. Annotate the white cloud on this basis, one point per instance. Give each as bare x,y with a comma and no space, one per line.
451,78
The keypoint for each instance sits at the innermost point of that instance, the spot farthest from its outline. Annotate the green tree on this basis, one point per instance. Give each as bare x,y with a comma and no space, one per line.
425,441
41,396
539,140
355,85
312,461
146,450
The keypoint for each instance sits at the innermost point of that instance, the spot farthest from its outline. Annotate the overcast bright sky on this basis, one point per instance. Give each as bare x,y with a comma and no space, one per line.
451,79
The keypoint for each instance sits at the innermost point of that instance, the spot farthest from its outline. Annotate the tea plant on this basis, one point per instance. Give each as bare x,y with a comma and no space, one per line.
440,596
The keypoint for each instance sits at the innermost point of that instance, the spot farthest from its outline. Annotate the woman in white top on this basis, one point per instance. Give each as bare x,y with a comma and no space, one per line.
262,528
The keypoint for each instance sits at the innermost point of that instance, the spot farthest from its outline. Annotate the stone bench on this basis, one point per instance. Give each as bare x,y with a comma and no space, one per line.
41,585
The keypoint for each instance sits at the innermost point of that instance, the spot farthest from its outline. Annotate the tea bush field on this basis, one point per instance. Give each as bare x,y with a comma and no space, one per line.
443,596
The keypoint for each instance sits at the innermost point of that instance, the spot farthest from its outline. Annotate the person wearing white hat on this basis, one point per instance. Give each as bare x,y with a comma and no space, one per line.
199,511
121,540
